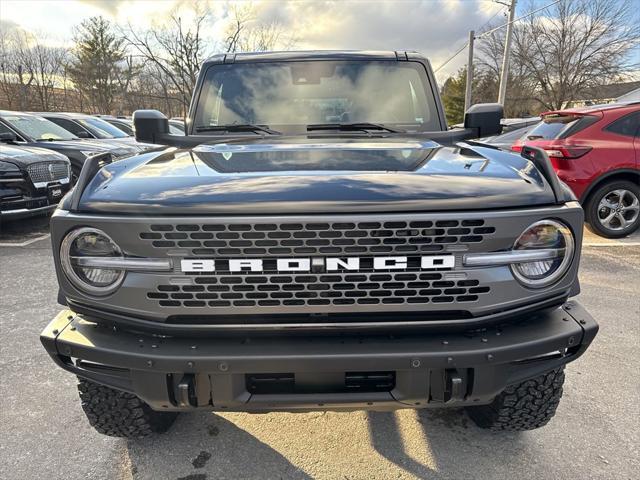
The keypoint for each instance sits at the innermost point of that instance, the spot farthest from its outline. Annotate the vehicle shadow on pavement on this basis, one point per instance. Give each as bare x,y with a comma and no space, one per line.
387,439
203,446
452,446
19,231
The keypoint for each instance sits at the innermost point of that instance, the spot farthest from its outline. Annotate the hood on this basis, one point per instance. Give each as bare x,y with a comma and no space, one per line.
129,143
23,156
72,147
290,175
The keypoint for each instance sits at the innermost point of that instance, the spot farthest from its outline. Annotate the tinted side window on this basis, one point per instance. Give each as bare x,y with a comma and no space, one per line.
629,125
68,125
5,129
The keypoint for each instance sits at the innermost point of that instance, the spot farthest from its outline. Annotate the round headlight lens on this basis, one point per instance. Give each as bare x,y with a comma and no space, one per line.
78,249
544,235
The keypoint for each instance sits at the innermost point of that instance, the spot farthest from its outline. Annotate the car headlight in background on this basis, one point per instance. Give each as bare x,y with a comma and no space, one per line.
541,255
548,236
8,169
90,260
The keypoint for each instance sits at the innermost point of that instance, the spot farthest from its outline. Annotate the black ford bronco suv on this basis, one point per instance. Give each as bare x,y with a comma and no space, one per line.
318,240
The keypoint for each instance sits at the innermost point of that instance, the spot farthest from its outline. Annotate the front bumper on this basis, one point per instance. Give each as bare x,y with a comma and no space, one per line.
18,213
31,203
316,373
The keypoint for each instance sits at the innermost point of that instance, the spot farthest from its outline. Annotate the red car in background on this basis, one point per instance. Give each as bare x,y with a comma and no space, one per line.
596,151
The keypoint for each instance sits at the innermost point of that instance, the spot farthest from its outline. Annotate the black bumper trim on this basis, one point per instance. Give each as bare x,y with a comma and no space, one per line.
145,365
117,320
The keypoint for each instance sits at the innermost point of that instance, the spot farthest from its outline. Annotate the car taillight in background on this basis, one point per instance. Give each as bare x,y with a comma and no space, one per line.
566,151
560,151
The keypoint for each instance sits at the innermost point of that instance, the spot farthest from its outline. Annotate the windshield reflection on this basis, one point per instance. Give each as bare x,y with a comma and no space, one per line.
312,92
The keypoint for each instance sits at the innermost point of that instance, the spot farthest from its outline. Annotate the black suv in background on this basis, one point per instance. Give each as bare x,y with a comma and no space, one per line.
32,181
33,131
90,127
126,125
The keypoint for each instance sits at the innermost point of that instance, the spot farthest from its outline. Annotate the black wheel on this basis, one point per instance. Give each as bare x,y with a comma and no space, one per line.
613,210
120,414
524,406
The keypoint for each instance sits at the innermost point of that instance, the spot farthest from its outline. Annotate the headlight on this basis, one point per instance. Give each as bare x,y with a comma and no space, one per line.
88,154
548,236
92,261
8,169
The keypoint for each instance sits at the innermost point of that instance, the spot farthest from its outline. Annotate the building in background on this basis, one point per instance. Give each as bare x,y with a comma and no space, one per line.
614,92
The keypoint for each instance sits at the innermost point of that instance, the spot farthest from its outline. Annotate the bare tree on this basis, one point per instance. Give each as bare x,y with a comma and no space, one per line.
245,33
176,49
31,72
48,65
521,86
17,67
567,49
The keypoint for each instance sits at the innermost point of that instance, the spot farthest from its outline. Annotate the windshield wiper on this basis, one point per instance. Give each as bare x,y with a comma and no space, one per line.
237,127
352,126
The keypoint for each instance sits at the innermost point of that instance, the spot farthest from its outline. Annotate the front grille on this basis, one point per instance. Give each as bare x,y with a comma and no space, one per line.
323,238
363,291
308,290
48,171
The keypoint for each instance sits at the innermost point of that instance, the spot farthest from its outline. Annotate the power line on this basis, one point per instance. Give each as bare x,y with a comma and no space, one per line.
517,19
467,44
493,30
452,57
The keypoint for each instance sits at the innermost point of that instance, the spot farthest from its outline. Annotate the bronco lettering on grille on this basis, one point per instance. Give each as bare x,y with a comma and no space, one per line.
330,264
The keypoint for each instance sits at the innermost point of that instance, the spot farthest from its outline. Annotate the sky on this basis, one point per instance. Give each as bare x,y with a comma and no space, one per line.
437,28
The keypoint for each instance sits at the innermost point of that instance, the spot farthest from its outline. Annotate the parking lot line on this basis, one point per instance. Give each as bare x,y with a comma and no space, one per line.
611,244
25,243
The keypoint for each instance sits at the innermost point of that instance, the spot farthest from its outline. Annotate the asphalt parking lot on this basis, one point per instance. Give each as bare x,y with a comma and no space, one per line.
596,432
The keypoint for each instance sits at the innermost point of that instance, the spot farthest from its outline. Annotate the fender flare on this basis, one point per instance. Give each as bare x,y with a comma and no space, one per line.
599,180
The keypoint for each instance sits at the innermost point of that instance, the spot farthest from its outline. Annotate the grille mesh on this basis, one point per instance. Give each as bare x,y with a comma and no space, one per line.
48,171
337,289
329,238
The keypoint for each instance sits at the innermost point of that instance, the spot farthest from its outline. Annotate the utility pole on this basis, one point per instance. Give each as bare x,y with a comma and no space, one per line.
504,73
467,92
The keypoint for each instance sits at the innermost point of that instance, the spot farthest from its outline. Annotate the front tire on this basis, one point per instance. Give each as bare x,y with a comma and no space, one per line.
120,414
613,210
524,406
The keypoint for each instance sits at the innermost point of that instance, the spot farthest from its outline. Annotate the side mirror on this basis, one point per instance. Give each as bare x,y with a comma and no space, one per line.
8,137
83,134
151,126
485,118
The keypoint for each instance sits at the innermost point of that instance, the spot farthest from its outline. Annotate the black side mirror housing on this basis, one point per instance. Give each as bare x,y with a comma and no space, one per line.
8,137
151,126
484,118
83,134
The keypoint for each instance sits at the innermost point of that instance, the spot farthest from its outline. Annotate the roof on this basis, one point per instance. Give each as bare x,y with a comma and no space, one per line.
633,95
14,112
284,56
604,92
62,114
594,108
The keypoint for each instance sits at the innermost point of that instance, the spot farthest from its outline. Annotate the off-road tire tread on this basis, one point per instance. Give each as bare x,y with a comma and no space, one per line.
591,209
524,406
120,414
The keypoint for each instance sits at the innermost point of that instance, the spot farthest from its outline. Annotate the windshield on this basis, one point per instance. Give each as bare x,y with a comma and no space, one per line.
38,128
284,94
125,127
101,128
173,130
